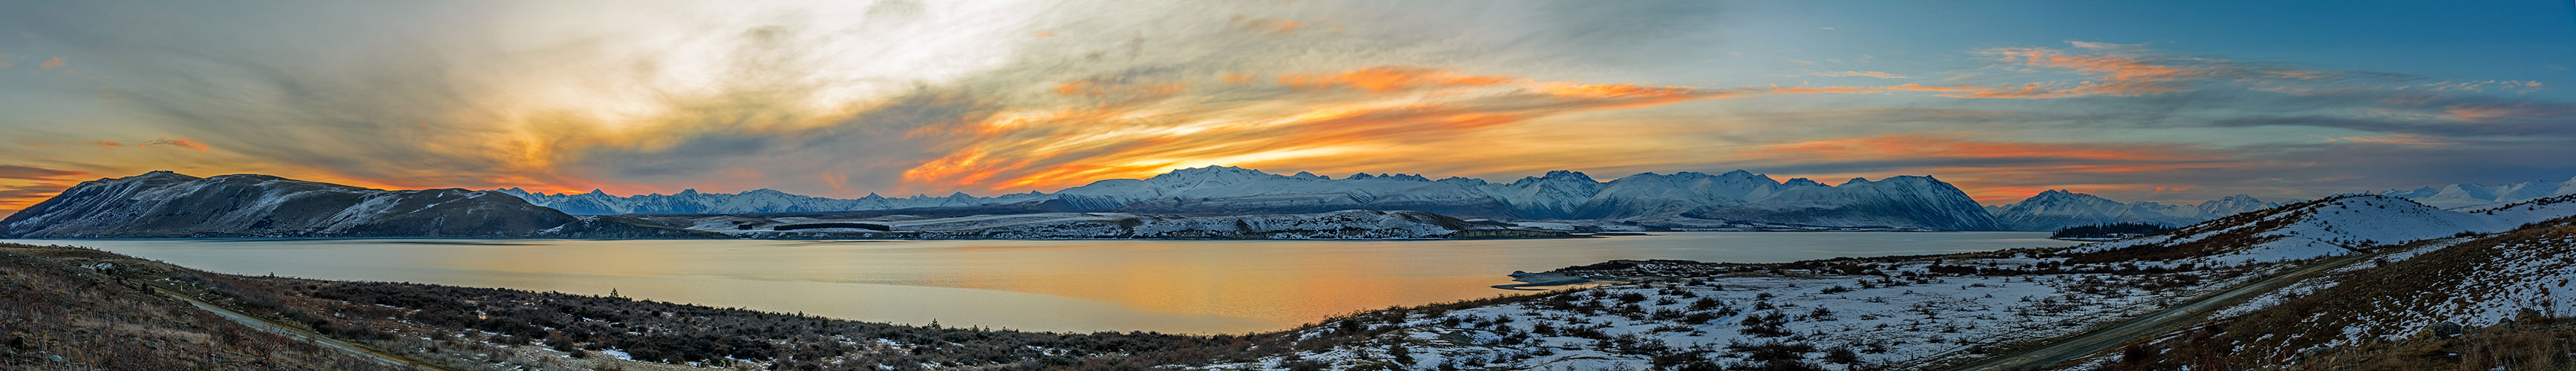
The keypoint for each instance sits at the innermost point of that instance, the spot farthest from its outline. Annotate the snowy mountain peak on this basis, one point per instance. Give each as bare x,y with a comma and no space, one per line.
1757,201
2475,196
1465,181
2057,208
1557,176
1212,175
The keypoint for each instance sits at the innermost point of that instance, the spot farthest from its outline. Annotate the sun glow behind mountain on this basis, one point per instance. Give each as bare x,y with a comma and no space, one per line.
843,99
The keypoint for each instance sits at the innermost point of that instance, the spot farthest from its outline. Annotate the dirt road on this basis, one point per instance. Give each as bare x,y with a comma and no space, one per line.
299,334
2071,348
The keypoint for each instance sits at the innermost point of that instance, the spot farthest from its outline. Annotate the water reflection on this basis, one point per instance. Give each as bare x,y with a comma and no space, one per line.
1170,286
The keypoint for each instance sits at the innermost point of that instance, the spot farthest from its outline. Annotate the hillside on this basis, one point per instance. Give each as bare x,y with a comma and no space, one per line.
66,316
2475,303
2326,227
2059,209
165,204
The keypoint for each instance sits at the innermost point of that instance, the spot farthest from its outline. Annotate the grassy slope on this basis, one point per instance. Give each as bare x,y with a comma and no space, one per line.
91,320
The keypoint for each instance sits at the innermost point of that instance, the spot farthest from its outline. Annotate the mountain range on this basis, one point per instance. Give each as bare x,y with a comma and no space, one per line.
164,204
1732,200
2473,196
167,204
2057,209
1685,200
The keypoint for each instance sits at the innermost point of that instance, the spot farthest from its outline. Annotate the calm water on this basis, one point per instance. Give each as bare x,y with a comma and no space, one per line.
1169,286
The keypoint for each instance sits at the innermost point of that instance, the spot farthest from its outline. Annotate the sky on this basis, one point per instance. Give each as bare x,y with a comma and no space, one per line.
2170,101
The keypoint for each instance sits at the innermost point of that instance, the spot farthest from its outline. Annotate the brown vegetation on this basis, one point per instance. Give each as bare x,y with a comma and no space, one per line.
57,316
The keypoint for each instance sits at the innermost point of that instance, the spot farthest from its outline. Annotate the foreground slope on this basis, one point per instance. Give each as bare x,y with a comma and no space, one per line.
2319,228
63,316
1917,312
2493,302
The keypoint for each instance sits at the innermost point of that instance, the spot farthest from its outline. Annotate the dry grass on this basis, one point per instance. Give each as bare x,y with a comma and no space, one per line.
93,321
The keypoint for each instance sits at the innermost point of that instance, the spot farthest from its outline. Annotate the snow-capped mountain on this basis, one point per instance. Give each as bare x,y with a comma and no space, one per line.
1345,224
2473,196
2057,209
1894,202
167,204
1686,199
764,200
1231,190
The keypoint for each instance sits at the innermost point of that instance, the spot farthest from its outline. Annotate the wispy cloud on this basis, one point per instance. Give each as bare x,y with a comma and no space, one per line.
1876,74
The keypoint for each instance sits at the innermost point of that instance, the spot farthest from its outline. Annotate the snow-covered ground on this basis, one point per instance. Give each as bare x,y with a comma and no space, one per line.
2506,277
1884,314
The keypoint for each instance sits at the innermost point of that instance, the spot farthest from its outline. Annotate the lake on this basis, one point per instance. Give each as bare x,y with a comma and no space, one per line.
1062,285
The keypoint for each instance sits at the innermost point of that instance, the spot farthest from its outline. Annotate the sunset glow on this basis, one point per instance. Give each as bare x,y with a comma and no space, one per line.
900,98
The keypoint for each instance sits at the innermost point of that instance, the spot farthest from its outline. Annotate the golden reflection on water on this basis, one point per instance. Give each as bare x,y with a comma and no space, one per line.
1167,286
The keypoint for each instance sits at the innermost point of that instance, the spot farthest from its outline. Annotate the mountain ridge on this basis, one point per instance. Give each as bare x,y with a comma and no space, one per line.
2057,209
1736,199
169,204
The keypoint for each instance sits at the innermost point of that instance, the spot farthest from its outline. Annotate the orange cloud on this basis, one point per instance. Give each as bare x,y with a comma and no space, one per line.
2400,139
1955,145
107,143
2121,70
57,62
1068,147
1995,171
2506,111
1136,139
174,142
1046,34
1096,89
1627,95
2118,68
1235,78
1874,74
22,185
1268,24
1389,79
